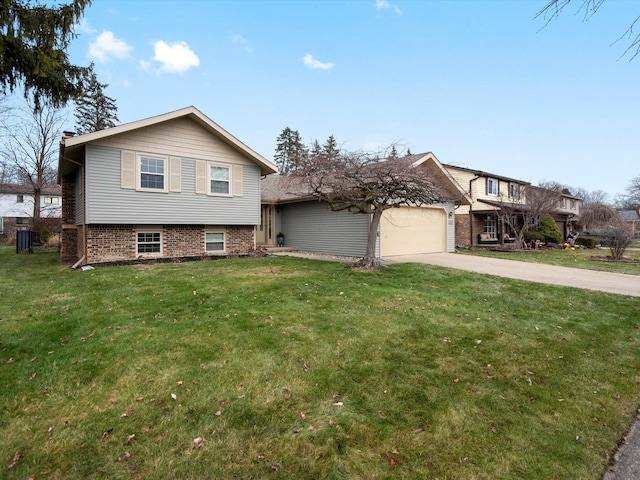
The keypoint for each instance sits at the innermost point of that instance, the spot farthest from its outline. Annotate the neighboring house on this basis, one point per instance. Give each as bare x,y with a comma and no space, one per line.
174,185
480,221
16,208
310,225
632,220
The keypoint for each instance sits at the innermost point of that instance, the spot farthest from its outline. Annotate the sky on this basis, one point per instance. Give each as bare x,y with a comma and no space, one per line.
481,84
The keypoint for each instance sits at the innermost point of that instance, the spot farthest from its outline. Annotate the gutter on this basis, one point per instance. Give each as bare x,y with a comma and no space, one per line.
478,175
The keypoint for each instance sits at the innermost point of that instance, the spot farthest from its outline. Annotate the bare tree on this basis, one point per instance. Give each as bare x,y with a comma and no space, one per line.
596,215
589,8
630,200
369,184
31,148
521,209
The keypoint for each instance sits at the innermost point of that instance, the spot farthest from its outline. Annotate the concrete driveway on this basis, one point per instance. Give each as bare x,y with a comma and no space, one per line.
618,283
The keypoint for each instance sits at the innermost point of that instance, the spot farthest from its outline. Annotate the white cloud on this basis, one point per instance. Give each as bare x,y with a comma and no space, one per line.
384,5
84,27
107,47
175,58
314,64
243,42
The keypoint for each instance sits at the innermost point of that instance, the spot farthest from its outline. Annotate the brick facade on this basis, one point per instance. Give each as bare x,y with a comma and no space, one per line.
463,234
113,243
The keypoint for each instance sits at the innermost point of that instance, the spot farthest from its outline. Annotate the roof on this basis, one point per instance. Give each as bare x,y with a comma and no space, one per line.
15,188
278,189
284,189
630,215
265,165
482,173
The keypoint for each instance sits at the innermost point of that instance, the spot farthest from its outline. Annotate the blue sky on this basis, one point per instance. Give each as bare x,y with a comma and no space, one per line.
479,83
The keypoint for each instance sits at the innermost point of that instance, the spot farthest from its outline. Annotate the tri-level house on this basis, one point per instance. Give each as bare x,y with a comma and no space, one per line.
481,222
174,185
16,208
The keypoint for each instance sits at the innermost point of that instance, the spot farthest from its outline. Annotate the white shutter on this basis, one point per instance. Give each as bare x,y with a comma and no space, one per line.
175,174
127,169
237,181
201,177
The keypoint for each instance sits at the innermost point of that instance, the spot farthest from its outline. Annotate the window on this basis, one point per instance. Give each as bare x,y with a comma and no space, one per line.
214,241
51,200
490,225
149,242
20,199
514,190
220,180
563,202
492,186
573,204
22,220
152,173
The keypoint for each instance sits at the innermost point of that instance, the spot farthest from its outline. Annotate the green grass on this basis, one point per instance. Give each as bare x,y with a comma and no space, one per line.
292,369
578,258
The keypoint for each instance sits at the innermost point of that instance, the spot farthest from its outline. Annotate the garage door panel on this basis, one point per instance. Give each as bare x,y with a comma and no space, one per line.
412,230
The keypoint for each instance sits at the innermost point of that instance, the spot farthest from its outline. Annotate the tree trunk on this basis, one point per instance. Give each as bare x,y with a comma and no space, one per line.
370,261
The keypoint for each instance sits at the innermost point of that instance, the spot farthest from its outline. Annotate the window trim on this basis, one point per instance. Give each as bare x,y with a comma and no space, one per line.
490,225
51,201
138,243
514,190
572,204
229,169
19,198
165,173
492,180
224,241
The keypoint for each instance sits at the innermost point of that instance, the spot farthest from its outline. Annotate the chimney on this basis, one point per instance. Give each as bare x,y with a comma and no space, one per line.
68,134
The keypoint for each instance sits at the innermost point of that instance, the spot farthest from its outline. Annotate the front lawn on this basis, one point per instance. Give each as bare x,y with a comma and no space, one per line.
578,258
284,368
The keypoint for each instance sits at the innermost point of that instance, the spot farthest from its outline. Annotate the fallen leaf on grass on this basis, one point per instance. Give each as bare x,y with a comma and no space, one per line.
218,413
173,395
16,457
198,442
128,413
32,376
131,437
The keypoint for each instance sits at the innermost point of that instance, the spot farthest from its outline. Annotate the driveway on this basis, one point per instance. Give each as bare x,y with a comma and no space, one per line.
618,283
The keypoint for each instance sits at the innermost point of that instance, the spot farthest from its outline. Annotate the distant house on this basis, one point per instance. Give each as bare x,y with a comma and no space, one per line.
174,185
480,222
16,208
311,226
632,219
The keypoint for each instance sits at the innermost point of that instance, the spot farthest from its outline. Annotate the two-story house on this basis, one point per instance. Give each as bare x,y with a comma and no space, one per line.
492,195
16,208
173,185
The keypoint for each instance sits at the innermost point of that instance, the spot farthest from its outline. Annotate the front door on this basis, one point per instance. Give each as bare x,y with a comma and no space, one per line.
264,235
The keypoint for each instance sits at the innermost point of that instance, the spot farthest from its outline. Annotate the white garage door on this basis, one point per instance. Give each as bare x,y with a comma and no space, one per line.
409,230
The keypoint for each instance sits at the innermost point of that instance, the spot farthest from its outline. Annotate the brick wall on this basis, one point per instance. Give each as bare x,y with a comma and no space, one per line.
69,200
112,243
108,243
463,235
240,239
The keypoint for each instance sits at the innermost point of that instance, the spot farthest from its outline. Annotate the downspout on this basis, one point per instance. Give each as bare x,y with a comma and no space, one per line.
84,213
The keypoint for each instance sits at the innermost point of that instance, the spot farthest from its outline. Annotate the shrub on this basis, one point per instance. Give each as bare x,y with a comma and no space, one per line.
528,236
45,234
587,242
549,229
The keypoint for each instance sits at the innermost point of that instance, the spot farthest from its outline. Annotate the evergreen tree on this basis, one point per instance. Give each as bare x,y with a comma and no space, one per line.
316,149
94,110
393,153
409,152
33,43
330,148
290,151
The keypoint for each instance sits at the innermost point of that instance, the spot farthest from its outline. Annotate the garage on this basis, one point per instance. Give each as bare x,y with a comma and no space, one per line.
411,230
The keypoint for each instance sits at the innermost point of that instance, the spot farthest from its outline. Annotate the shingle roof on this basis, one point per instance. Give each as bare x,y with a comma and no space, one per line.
630,215
15,188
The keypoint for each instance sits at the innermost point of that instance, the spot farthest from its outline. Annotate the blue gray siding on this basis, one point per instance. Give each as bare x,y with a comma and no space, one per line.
107,203
313,227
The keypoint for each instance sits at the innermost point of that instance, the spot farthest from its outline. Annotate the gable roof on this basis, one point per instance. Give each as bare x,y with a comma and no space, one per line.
630,215
266,167
278,189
